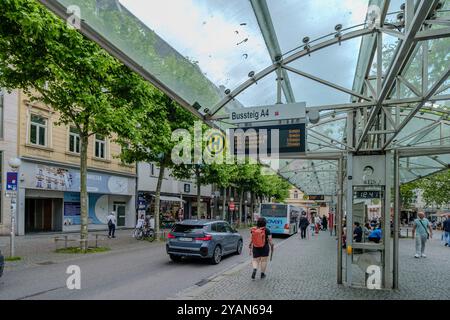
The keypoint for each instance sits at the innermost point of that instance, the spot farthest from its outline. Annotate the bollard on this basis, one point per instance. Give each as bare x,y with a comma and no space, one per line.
65,242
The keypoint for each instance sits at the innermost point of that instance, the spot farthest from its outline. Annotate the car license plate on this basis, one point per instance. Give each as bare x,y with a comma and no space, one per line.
185,239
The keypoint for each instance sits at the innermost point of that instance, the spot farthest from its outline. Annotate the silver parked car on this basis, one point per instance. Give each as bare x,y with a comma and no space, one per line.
206,239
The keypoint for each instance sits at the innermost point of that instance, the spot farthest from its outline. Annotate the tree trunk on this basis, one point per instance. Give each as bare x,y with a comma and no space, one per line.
84,142
199,210
241,201
224,200
252,207
162,168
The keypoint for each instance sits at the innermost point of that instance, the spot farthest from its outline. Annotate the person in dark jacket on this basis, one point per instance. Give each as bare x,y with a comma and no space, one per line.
324,223
303,225
446,227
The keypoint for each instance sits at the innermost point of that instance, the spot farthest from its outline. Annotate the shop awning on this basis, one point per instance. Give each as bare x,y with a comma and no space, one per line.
167,198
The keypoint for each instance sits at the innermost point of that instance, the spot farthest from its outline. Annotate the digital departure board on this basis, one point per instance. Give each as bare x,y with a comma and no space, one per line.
368,194
291,138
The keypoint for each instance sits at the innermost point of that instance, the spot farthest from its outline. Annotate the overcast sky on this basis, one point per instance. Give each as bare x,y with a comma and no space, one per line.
214,33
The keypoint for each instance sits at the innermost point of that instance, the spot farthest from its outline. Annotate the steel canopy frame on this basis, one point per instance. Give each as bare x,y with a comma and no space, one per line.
408,43
268,31
413,34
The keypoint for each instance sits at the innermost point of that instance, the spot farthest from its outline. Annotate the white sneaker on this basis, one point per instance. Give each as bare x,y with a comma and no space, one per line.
424,255
416,256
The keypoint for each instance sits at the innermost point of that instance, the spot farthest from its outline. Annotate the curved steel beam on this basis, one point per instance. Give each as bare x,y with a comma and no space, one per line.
260,75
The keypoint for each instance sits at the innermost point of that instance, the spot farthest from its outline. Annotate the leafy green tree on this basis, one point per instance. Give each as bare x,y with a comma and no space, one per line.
151,141
56,65
436,188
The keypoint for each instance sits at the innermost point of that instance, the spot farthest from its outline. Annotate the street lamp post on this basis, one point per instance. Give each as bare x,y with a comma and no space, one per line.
14,163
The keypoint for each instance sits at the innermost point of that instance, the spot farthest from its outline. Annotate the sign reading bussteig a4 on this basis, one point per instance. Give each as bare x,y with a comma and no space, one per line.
269,113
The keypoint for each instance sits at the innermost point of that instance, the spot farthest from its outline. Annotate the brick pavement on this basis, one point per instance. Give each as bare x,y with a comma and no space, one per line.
306,269
39,249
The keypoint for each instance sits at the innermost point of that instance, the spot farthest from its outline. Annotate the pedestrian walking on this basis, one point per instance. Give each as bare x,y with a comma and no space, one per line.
421,232
111,218
303,225
317,221
446,231
260,241
324,223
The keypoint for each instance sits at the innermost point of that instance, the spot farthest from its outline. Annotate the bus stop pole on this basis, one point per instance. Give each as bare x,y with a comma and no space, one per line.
396,219
338,222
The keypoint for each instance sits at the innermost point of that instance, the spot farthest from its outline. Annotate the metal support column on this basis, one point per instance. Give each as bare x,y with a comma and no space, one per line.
349,220
339,220
387,265
396,219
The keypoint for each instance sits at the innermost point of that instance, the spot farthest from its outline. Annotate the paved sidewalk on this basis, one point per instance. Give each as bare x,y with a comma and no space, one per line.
39,249
306,269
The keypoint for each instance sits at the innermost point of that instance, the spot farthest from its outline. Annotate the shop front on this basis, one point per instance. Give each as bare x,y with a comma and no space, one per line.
51,199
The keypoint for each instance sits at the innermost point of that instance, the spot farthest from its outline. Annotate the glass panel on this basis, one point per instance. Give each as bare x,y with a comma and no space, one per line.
209,44
293,19
42,141
33,134
38,119
71,143
74,130
77,139
97,149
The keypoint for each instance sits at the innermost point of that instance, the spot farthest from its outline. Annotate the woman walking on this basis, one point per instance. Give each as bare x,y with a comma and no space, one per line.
259,245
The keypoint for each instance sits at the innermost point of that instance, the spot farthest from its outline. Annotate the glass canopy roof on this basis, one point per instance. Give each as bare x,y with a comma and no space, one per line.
328,54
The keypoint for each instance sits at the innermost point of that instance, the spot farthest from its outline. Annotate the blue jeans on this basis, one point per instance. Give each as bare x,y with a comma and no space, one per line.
447,237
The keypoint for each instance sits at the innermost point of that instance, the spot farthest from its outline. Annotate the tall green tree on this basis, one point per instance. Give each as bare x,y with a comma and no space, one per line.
57,66
152,140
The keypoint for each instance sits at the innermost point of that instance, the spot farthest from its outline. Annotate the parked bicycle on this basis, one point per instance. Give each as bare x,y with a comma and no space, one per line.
144,232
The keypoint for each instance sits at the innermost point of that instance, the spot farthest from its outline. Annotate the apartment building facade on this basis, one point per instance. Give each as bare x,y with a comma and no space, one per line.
8,149
49,176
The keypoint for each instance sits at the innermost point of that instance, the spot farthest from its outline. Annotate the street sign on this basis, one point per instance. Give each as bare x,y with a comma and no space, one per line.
11,181
269,113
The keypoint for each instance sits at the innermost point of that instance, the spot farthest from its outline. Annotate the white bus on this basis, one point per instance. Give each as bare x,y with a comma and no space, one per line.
281,218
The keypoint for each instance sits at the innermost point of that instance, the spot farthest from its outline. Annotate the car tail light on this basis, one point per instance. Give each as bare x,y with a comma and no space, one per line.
207,237
286,226
170,236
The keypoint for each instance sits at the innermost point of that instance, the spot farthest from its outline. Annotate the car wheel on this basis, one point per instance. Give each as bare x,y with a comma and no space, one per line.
217,255
239,247
175,258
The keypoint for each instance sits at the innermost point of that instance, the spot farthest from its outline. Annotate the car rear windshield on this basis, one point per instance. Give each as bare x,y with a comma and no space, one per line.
188,229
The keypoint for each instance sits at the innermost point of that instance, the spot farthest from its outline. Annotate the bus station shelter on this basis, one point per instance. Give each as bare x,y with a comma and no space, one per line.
371,75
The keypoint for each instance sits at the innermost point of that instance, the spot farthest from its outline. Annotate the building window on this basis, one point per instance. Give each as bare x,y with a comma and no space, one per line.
38,130
100,146
74,140
295,195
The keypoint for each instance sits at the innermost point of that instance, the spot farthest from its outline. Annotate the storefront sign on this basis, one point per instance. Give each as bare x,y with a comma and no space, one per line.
43,177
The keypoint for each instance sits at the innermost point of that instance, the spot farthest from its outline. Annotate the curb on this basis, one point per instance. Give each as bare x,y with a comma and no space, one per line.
191,292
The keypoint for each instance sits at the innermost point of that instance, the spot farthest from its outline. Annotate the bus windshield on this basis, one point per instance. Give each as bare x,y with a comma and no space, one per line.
273,210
